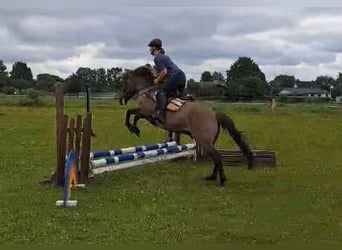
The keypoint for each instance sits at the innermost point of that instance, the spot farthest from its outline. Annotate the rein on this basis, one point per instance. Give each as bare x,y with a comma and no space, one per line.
143,93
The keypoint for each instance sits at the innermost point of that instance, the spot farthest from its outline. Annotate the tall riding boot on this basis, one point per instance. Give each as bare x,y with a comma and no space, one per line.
161,107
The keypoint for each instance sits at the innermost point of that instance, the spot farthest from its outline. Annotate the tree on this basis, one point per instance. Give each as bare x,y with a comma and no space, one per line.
206,76
87,75
3,67
101,83
283,81
83,76
21,76
339,77
114,78
192,87
246,80
244,67
47,82
191,81
3,74
217,76
247,88
21,71
74,84
325,82
20,84
337,90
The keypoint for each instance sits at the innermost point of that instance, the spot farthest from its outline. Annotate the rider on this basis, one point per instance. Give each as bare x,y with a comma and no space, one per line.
167,71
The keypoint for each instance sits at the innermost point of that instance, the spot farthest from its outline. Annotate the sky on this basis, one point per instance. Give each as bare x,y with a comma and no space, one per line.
299,38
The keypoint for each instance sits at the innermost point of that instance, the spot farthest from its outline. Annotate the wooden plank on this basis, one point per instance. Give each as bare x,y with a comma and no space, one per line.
71,132
86,144
262,158
59,104
78,132
62,150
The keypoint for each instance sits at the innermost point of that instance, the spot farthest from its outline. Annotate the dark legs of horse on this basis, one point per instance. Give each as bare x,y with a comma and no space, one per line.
209,148
132,128
136,118
169,137
218,168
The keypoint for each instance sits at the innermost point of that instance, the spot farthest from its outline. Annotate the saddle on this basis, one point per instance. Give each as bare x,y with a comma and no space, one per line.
175,103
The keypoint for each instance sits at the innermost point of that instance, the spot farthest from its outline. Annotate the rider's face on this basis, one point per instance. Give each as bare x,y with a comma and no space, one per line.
152,50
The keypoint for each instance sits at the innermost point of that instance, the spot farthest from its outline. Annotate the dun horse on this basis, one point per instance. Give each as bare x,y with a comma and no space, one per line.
198,121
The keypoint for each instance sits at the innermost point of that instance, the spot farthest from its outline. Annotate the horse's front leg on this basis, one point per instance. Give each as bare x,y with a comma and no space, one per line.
132,128
136,118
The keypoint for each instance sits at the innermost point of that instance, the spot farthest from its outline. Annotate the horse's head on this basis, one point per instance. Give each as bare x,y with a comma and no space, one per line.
127,87
134,81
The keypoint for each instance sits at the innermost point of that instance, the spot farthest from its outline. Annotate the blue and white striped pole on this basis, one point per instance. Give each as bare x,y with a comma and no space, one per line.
141,155
121,151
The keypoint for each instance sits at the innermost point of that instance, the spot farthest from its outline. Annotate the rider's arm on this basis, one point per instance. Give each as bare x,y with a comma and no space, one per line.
161,76
160,62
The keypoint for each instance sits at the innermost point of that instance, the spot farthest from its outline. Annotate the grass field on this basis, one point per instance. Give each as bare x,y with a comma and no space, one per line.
298,201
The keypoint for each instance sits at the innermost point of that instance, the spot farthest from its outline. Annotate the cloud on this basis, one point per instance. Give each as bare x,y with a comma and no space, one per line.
62,36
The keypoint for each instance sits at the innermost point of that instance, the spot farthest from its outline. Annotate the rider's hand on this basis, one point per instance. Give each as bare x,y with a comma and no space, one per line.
155,81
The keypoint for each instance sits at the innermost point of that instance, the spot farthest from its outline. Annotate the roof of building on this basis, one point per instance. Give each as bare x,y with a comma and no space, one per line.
302,91
306,84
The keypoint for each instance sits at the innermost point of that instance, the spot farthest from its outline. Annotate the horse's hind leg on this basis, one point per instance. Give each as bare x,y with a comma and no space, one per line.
217,160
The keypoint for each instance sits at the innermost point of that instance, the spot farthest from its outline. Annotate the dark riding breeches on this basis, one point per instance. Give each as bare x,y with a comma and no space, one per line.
174,83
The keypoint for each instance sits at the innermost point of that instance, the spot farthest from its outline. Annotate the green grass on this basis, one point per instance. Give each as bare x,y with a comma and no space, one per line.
298,201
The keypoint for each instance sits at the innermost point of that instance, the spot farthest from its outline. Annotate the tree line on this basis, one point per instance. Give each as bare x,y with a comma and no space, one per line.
21,78
243,79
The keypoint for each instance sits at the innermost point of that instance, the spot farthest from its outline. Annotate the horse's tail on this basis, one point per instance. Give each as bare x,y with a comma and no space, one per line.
228,125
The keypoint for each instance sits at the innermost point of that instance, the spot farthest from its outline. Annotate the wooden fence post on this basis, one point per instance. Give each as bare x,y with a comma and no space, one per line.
86,145
60,121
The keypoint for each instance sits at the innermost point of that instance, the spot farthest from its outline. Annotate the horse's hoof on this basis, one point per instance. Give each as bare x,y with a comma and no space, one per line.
221,183
250,165
137,132
210,178
130,128
168,140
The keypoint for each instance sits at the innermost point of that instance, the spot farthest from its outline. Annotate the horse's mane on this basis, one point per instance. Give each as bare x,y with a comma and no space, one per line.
144,71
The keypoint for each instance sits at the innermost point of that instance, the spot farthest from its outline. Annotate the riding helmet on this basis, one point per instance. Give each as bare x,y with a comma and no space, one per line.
155,42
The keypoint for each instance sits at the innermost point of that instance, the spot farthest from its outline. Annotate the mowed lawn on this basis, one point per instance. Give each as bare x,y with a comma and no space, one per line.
298,201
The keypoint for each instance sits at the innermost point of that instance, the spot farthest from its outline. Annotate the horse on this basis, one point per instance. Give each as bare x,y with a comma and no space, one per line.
193,118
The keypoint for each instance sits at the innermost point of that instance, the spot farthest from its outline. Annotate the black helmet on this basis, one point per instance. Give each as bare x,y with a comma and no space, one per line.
155,42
